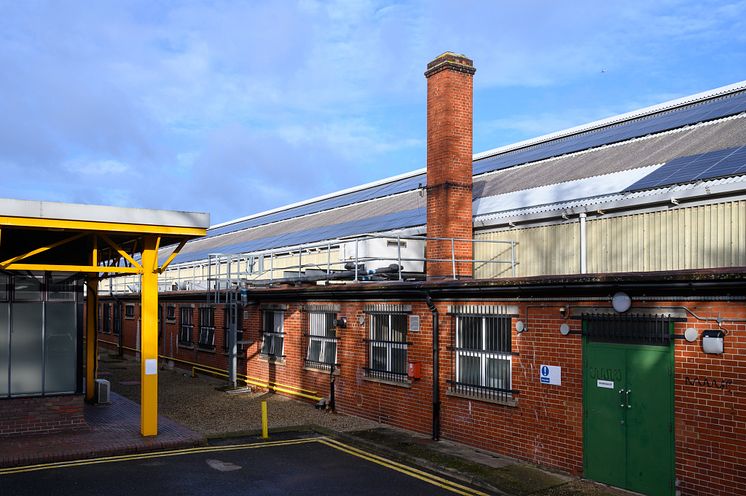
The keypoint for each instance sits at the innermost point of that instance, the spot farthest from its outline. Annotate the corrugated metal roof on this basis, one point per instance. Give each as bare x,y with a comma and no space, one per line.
548,180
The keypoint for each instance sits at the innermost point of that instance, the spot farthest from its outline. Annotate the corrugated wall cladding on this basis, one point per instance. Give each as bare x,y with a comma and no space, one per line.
680,238
539,250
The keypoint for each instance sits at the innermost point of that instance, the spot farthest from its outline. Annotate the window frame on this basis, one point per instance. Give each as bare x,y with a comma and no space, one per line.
206,336
271,338
497,348
322,319
170,313
389,345
106,318
127,314
186,326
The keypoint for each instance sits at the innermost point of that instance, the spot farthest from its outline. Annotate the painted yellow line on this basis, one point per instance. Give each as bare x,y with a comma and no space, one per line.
157,454
332,443
405,469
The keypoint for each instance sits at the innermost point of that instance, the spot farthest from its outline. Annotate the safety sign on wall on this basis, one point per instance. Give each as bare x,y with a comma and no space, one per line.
550,374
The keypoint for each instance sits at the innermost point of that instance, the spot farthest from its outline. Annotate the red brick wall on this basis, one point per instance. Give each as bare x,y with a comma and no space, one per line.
546,425
41,415
449,158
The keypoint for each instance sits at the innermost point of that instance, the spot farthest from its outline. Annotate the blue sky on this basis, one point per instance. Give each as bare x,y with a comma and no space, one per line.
237,107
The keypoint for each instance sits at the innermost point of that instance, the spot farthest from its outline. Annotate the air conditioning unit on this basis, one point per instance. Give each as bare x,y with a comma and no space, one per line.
103,389
376,253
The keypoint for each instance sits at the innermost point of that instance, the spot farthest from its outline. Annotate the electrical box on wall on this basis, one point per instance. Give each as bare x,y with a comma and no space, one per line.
712,342
414,370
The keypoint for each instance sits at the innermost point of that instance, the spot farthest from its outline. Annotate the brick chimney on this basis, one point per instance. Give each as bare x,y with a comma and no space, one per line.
449,154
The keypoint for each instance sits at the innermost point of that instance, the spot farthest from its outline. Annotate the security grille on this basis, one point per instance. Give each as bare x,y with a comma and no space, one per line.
483,356
273,331
206,327
322,340
628,329
387,347
187,326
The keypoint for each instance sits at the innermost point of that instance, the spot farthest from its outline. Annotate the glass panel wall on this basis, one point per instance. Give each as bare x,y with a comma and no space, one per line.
40,330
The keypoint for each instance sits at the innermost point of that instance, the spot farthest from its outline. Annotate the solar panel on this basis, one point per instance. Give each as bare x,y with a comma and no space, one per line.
662,121
396,220
399,186
671,119
727,162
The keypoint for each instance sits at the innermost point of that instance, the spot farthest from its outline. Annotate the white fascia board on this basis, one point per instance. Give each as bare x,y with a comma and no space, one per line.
101,213
661,107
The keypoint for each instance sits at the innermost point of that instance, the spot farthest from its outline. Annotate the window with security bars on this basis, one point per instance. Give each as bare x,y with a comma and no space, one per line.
186,327
387,346
239,327
171,313
273,333
322,340
206,327
483,356
117,327
106,317
129,311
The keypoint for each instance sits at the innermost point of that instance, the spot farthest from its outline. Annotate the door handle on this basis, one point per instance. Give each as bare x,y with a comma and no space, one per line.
621,398
627,398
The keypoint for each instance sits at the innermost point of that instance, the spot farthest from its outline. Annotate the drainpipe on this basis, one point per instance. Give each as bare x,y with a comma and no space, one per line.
583,259
436,368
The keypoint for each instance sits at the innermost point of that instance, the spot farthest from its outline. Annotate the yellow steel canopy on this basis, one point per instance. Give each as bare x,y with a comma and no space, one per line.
101,241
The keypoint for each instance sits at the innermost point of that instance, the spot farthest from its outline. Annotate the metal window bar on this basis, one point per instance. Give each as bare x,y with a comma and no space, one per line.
629,329
273,334
388,347
482,365
322,340
106,317
187,326
117,318
206,327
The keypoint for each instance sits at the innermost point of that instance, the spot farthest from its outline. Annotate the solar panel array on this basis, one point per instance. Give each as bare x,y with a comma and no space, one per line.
671,119
396,220
719,163
400,186
662,121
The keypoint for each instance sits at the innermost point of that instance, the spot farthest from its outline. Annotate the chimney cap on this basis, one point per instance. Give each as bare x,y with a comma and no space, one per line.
450,60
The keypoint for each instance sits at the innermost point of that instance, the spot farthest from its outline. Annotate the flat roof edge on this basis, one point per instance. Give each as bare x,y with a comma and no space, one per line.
102,213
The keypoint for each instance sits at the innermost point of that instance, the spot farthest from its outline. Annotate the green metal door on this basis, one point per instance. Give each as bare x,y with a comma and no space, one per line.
628,416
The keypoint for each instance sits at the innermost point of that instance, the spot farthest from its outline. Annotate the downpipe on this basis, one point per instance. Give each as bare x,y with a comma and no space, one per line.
436,368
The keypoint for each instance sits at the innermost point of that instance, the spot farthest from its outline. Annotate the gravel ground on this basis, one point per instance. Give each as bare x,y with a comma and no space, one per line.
198,404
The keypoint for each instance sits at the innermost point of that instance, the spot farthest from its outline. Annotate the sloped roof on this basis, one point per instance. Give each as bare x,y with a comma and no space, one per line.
602,158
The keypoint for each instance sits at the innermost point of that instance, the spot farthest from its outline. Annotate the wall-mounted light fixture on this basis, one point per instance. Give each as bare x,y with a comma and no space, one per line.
621,302
691,334
520,326
564,329
342,323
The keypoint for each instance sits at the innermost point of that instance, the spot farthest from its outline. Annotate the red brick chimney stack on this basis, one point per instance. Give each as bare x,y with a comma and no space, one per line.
449,157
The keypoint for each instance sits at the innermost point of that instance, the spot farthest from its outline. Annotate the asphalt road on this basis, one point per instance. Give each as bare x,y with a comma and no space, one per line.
310,467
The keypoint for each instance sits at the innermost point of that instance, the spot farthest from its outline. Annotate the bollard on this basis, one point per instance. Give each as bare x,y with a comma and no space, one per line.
265,430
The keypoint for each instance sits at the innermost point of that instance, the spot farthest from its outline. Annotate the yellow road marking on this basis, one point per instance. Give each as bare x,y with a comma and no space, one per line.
405,469
332,443
143,456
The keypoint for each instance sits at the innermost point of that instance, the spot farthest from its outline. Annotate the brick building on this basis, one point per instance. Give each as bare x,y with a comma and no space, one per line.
576,300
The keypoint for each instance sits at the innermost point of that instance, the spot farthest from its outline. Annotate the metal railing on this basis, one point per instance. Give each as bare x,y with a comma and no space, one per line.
344,258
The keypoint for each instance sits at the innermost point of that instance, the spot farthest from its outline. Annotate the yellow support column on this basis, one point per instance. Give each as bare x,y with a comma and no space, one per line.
91,360
91,325
149,338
